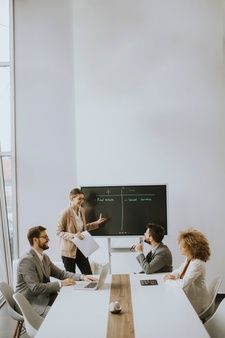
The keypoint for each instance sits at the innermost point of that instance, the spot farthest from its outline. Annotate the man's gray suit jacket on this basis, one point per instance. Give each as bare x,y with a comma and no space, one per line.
33,280
159,261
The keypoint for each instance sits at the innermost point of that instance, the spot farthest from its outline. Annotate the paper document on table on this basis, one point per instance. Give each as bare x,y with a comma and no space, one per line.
87,245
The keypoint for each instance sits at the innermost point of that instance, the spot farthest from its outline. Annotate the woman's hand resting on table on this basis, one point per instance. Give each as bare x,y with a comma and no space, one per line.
169,276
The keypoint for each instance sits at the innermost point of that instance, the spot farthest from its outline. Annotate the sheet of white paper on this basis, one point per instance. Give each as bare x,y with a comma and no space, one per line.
87,245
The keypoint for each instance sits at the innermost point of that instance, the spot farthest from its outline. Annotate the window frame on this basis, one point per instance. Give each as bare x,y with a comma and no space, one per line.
9,253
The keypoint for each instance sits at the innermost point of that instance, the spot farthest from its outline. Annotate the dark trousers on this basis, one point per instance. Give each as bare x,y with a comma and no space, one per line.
81,261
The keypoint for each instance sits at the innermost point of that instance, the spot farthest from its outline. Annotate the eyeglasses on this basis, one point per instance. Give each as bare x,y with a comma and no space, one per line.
79,197
45,237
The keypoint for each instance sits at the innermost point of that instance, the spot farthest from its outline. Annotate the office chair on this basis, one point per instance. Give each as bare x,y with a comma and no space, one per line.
213,289
32,320
7,293
216,324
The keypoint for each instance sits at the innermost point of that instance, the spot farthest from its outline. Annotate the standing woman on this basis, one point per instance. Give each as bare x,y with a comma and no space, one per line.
70,224
190,276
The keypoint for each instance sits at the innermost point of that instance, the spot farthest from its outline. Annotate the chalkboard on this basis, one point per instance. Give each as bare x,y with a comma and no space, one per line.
128,209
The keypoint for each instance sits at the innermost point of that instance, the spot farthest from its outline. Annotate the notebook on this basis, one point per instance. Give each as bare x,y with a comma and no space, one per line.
94,285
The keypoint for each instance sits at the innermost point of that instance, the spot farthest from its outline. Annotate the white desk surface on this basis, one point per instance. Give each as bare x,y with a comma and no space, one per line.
159,311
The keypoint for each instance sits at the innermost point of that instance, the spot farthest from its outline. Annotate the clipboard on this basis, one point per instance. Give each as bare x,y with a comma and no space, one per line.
87,245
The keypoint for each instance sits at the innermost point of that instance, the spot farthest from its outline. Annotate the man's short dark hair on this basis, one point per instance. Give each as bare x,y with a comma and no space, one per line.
156,231
34,232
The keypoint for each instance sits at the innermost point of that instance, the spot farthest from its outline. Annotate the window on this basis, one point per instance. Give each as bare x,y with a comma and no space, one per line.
4,31
6,196
5,110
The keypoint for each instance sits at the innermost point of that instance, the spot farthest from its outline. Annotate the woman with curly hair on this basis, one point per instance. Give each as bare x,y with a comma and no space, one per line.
191,274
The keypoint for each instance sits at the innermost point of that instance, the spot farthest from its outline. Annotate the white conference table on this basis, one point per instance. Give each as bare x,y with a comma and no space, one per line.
158,311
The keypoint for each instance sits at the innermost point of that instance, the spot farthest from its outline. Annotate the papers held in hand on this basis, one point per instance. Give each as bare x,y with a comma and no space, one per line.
87,245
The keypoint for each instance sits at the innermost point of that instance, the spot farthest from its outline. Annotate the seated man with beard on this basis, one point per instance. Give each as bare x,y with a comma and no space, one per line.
159,259
35,269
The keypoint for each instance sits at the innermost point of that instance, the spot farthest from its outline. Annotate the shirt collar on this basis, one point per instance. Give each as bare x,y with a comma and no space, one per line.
155,248
40,256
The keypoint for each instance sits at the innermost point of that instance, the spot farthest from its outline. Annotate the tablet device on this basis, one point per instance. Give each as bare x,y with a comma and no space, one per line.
148,282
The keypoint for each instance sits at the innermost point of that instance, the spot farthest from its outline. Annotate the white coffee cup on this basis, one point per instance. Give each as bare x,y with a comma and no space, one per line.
115,307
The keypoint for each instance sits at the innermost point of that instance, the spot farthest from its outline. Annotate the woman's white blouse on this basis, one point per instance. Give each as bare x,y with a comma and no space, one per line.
193,283
79,222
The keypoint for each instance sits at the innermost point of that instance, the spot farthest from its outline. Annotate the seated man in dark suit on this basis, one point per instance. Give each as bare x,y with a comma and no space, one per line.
35,269
159,259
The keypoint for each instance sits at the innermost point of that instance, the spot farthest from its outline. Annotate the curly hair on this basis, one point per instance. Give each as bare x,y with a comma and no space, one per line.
196,243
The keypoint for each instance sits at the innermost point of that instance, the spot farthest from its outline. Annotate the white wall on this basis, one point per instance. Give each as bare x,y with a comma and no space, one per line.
149,108
149,79
44,113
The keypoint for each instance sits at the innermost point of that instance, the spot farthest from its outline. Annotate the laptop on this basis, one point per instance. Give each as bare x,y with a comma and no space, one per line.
95,285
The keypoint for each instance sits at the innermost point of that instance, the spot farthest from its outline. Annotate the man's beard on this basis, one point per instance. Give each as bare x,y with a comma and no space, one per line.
43,246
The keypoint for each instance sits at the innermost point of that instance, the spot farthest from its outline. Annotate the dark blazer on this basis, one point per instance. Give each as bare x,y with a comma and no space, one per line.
159,261
33,280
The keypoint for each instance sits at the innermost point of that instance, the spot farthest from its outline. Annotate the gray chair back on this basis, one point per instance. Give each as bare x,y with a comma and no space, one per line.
213,290
216,324
32,319
7,293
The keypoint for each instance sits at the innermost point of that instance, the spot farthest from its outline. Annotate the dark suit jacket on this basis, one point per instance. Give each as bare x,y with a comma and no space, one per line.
33,280
159,261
